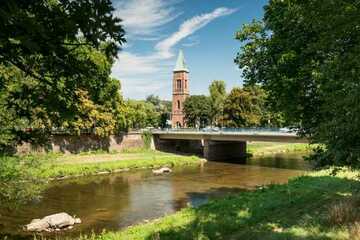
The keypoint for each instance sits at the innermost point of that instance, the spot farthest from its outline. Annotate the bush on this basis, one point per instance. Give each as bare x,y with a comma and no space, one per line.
147,138
19,180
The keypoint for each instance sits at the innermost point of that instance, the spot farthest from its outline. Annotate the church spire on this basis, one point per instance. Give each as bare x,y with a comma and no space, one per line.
180,63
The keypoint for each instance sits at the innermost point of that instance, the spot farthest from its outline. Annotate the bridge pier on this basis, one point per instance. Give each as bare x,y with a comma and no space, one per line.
226,151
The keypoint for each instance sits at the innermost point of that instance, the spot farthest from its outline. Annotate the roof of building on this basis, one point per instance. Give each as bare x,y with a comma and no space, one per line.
180,63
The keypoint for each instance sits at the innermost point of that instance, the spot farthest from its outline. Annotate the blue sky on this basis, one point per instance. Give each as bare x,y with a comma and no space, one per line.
157,29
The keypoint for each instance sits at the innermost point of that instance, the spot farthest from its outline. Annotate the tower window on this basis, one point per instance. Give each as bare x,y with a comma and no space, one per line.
178,104
186,84
178,84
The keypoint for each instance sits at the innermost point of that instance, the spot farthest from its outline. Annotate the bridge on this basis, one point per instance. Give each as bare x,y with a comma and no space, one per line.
222,144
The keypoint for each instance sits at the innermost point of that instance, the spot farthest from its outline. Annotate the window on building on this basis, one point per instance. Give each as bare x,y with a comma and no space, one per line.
186,84
178,104
178,84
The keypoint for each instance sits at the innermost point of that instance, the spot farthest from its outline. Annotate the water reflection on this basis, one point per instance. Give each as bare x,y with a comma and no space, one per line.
115,201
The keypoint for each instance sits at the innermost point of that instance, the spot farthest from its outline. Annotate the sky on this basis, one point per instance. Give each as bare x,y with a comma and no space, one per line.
157,29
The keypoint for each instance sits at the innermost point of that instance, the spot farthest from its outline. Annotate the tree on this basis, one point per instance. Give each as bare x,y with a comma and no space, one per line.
243,108
306,55
197,111
39,37
155,100
163,107
141,114
32,109
53,56
217,91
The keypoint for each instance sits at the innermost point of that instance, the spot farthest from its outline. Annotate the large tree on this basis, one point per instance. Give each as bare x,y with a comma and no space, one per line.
217,91
197,111
306,55
141,114
243,108
55,62
40,36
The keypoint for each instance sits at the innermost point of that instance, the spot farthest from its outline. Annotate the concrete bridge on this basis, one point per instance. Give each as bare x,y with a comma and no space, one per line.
225,145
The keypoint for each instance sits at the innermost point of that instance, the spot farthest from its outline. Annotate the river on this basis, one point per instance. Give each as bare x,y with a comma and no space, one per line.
115,201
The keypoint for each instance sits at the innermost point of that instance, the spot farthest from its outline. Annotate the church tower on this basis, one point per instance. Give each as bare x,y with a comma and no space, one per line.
180,92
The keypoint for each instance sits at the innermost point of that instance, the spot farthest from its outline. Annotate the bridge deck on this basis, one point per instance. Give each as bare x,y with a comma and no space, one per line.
232,136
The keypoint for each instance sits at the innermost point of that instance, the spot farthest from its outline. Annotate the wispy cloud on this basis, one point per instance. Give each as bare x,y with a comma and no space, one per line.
189,27
191,41
136,71
143,18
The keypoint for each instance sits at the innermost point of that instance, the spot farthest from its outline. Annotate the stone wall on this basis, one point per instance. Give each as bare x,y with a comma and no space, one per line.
86,142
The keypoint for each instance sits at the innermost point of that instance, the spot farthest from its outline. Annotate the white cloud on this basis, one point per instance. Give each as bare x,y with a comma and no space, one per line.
129,64
142,75
191,41
143,18
189,27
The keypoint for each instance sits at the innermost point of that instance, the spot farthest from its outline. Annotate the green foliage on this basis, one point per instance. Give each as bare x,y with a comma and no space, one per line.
147,138
163,107
19,180
57,78
155,100
243,107
306,55
30,109
90,116
197,111
141,114
30,41
217,91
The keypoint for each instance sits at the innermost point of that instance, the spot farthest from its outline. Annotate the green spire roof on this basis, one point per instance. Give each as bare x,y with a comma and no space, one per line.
180,63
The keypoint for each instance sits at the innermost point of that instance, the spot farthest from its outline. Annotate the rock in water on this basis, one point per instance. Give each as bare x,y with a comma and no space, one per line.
37,225
60,220
162,170
52,222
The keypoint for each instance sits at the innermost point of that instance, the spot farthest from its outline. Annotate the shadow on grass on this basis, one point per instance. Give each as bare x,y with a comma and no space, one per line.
298,210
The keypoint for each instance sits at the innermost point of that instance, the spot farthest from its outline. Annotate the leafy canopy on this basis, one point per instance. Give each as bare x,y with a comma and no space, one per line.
197,111
306,55
39,37
217,91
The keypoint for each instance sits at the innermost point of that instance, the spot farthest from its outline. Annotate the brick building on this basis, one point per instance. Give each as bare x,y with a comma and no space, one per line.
180,92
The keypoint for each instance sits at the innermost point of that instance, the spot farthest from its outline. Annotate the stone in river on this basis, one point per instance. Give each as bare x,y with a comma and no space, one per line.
162,170
55,221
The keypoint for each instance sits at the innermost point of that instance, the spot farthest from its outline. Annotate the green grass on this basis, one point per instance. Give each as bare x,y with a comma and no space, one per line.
264,148
305,208
57,170
54,165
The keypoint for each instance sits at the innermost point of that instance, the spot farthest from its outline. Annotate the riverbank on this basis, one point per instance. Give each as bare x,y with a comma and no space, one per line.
64,167
320,205
268,148
23,178
60,166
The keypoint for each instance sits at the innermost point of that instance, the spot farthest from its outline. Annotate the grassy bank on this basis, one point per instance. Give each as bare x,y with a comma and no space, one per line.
103,163
23,178
268,148
316,206
50,166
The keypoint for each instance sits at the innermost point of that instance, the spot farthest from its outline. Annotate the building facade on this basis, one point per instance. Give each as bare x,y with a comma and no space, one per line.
180,92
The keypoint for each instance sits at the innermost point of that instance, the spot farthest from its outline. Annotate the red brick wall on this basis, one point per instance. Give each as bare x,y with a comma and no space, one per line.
179,94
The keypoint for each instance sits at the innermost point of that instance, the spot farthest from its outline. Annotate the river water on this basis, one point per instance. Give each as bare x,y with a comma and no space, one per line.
115,201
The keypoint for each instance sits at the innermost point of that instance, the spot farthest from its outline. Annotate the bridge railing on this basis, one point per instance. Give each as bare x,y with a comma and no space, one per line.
228,130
